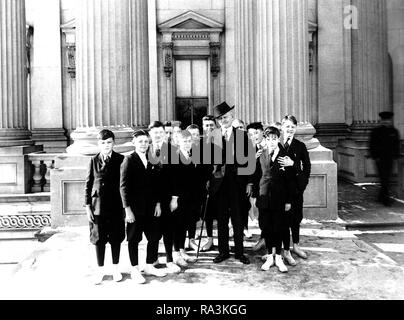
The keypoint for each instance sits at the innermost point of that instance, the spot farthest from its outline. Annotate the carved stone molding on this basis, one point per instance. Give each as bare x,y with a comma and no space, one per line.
69,30
13,222
71,60
190,36
214,58
29,39
312,45
168,58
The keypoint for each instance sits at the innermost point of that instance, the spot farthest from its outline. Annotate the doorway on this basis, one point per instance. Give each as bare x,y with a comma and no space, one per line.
191,102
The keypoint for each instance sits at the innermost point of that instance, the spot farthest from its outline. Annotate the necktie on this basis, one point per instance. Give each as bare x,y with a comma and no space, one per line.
158,152
270,156
106,160
287,144
226,135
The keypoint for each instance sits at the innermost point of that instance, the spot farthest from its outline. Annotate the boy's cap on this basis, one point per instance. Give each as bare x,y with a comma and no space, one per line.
256,126
272,131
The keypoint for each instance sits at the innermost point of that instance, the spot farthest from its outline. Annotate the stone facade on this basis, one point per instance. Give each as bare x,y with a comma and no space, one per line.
334,64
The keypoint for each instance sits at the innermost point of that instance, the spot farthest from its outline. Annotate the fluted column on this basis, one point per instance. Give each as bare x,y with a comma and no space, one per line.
13,81
140,101
282,70
370,81
103,77
282,59
244,33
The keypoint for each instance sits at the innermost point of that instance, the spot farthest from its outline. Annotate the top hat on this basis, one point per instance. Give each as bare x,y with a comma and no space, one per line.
221,109
386,115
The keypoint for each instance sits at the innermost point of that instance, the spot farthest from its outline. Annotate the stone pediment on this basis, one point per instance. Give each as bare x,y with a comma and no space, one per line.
190,21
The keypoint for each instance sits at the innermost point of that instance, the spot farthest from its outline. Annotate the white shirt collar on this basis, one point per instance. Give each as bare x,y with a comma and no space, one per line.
158,145
185,154
276,152
104,156
228,131
142,157
288,140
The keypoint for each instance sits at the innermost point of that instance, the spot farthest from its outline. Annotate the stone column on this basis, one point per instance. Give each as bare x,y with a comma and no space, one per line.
370,89
245,40
334,73
139,62
370,79
395,13
103,75
13,75
46,80
282,57
153,61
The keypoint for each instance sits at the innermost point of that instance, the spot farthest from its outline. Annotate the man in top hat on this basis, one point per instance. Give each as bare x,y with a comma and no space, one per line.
231,180
384,148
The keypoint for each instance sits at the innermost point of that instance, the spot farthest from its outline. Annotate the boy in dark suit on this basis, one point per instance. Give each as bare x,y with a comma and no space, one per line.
255,132
103,203
297,157
141,199
208,126
185,196
276,193
162,155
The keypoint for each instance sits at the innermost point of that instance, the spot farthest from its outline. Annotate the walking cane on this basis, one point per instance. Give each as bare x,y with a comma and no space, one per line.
203,222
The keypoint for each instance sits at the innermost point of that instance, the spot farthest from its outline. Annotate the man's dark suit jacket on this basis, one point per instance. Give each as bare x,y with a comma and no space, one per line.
139,189
188,180
102,185
161,171
240,181
297,151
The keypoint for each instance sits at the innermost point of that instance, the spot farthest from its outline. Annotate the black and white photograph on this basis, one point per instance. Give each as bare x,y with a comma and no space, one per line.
170,151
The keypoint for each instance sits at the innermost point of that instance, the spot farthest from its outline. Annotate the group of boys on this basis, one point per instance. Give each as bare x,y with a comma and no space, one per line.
175,177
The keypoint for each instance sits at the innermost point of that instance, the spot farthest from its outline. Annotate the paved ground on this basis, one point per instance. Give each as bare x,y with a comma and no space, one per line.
342,264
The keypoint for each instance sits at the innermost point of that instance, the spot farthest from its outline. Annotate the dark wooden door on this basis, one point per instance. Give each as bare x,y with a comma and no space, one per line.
191,110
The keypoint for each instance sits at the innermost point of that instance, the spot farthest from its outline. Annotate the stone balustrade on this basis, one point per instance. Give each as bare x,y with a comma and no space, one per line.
40,164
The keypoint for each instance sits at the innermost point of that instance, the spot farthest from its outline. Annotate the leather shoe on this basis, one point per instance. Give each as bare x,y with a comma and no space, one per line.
243,259
221,257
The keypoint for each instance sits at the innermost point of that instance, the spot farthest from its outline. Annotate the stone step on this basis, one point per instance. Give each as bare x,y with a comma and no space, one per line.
28,197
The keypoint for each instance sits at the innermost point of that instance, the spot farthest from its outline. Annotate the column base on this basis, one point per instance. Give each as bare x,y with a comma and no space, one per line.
53,140
305,132
85,140
321,195
15,137
67,190
354,161
15,169
329,135
400,187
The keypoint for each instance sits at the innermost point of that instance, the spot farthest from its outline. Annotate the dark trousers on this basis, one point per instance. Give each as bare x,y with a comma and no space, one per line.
109,228
385,169
100,252
150,226
230,206
182,221
167,229
296,217
274,226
